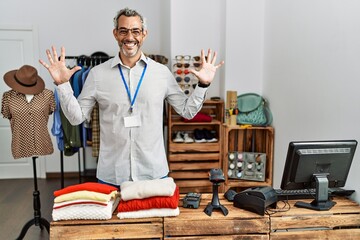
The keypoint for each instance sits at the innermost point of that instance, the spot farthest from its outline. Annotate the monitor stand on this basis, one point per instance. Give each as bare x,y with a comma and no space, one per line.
321,202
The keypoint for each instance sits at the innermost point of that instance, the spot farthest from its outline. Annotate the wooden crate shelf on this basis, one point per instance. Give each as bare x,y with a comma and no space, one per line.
340,222
248,139
194,147
195,224
189,163
115,228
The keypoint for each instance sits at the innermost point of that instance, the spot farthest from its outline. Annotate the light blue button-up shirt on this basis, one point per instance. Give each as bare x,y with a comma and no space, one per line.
130,153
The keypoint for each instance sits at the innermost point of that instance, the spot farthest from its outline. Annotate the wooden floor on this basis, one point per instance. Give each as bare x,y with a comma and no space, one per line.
16,205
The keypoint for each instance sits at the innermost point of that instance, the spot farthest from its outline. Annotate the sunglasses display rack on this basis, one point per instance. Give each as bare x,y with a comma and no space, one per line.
186,80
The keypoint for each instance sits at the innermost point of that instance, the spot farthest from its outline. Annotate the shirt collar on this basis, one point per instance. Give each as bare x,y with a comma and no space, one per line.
116,60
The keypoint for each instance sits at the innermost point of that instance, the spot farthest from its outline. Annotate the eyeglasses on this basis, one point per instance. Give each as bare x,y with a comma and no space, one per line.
182,57
134,31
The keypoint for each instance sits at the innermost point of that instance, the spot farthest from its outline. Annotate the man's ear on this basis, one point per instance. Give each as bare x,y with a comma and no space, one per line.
115,33
145,33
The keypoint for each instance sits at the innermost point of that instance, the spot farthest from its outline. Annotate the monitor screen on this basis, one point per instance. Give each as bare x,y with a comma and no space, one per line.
310,162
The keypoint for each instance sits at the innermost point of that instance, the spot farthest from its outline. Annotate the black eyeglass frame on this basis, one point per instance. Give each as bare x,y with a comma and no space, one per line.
122,31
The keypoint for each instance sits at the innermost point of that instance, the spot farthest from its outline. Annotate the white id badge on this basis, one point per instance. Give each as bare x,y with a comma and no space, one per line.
132,121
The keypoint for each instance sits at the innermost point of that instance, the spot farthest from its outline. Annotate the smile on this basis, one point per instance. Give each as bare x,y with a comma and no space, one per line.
130,44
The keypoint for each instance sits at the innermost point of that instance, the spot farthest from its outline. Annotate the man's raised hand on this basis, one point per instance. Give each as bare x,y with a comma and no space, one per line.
57,67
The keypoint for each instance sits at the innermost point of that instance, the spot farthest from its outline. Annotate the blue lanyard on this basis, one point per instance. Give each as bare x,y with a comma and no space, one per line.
132,101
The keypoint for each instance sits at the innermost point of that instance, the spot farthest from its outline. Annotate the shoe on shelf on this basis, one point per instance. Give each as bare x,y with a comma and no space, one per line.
178,138
187,138
199,136
209,135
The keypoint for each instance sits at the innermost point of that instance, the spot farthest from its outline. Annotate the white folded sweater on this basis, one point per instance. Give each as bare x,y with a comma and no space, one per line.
147,188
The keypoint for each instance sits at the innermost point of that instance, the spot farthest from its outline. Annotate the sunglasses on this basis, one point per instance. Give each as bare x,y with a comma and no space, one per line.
182,65
185,88
197,64
198,58
186,79
179,72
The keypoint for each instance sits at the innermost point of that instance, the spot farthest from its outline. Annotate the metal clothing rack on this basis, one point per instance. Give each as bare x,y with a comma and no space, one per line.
89,60
62,179
95,59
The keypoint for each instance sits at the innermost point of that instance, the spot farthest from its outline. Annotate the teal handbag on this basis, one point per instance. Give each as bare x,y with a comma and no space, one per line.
253,110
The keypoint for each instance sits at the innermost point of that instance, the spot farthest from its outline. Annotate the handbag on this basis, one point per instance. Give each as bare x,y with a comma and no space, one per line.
253,110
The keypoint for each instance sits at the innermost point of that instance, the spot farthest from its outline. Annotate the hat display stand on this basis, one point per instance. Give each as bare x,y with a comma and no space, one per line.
37,220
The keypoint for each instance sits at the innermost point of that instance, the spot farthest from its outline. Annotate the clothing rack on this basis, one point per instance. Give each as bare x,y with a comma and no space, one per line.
62,179
89,60
84,60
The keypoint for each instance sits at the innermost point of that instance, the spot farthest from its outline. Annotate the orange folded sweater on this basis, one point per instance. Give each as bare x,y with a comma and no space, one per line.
151,202
88,186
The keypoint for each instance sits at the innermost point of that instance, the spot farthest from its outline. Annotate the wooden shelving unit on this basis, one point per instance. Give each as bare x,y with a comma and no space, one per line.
190,163
248,139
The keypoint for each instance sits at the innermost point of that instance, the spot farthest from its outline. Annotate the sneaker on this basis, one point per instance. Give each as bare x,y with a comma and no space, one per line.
199,136
209,135
178,138
187,138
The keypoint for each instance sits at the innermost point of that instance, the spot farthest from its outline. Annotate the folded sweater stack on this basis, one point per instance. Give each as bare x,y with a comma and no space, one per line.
89,200
149,198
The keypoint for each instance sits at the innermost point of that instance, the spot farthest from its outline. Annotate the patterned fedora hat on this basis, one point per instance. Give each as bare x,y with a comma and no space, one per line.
25,80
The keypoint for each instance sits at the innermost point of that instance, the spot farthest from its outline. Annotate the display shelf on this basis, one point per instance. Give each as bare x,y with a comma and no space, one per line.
239,139
190,163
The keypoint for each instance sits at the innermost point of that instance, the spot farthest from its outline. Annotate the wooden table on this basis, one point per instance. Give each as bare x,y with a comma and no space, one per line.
115,228
340,222
195,224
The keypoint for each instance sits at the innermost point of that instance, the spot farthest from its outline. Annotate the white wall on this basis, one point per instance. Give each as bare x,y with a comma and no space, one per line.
311,74
244,46
303,55
197,25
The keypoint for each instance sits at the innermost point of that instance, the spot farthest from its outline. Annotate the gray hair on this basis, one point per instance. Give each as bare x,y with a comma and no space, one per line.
129,13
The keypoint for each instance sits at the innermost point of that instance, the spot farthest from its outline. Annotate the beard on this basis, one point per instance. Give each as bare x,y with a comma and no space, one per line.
129,51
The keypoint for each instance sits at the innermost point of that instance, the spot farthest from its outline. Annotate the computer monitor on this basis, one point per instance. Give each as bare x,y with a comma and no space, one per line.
320,165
